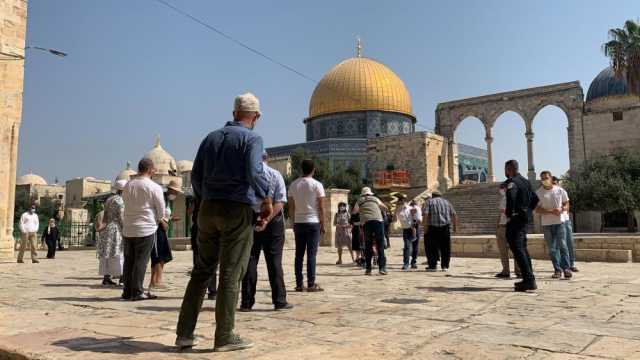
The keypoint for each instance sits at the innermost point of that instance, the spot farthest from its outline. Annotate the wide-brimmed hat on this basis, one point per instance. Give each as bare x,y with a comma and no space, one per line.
366,191
246,102
173,185
119,184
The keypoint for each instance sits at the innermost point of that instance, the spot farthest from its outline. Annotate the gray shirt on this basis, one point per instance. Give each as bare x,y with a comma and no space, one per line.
369,208
440,210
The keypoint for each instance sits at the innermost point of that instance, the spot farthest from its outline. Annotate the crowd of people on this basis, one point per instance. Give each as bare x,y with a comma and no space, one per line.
239,213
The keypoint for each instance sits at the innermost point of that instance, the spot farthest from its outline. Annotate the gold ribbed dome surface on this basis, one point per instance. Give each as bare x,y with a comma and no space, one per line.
358,84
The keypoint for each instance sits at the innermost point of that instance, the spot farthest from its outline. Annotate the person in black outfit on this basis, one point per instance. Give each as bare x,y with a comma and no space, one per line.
520,199
51,237
211,288
268,237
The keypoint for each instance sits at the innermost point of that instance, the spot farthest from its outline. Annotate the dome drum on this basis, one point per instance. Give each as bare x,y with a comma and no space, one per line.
358,125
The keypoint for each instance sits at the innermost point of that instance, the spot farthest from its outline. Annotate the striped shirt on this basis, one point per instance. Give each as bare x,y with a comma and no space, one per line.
440,210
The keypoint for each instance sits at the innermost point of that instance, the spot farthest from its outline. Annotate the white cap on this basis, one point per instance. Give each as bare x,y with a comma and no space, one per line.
120,184
246,102
366,191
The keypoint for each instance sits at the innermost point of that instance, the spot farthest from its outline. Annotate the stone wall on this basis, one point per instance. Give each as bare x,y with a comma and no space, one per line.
13,28
77,189
332,199
419,153
589,247
603,135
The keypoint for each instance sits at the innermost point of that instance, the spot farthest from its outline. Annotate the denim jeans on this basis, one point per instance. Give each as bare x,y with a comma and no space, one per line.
554,235
307,240
568,235
410,249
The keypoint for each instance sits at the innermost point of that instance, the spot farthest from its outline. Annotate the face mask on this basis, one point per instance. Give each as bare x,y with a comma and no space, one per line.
547,183
171,197
32,210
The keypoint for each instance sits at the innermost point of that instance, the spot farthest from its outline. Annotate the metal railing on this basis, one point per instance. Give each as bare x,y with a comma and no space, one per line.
72,234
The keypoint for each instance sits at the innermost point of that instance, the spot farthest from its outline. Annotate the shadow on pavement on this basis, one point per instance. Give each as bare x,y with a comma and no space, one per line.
90,286
462,289
117,345
171,308
404,301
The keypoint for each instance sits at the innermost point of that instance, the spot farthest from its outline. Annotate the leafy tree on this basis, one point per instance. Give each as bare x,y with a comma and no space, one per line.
607,184
623,49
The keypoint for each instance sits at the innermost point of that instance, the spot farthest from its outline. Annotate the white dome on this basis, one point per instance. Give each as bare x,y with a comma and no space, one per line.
184,165
162,160
30,179
125,174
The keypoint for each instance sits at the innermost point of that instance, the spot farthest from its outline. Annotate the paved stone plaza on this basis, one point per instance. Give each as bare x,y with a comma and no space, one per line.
58,310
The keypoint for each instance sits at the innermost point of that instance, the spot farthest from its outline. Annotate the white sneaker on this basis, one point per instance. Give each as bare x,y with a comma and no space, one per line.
183,342
445,269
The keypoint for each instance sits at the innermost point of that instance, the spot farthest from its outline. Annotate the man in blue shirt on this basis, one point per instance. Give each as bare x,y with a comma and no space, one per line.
270,239
228,178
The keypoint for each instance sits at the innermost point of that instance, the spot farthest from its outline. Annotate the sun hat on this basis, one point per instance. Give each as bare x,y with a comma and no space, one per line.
119,184
366,191
173,185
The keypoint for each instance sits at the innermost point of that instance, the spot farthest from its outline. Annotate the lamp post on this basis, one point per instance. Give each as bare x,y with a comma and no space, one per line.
12,56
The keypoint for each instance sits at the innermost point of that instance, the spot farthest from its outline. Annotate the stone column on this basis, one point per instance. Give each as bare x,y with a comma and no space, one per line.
531,170
332,199
13,27
489,140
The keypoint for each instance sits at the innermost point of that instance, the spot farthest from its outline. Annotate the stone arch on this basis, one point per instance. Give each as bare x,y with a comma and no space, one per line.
526,103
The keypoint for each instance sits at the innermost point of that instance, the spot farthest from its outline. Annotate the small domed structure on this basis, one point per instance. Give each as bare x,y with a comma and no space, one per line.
163,161
184,165
30,179
607,84
125,174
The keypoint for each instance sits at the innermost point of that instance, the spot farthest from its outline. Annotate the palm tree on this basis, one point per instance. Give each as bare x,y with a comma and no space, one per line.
623,49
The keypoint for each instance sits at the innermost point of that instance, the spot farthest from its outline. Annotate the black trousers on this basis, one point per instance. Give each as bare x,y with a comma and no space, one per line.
51,247
437,242
137,253
271,241
516,233
211,287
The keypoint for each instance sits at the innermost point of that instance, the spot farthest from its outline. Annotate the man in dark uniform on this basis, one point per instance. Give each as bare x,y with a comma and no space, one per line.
519,198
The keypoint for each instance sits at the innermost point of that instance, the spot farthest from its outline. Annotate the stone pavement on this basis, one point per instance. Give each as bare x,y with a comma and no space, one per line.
58,310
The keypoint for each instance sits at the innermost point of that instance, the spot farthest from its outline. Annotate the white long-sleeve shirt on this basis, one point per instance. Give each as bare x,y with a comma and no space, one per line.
144,207
29,223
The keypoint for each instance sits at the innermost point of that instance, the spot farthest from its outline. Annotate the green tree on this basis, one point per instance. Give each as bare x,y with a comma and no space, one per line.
607,184
623,49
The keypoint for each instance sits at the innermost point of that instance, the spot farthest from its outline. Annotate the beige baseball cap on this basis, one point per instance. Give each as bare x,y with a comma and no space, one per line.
246,102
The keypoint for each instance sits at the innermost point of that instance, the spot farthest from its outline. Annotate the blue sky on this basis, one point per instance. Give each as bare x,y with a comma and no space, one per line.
136,69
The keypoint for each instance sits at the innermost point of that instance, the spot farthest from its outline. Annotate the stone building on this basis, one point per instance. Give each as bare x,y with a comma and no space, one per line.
13,27
76,190
37,188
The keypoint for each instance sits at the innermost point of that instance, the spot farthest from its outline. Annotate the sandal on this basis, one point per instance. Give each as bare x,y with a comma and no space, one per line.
315,288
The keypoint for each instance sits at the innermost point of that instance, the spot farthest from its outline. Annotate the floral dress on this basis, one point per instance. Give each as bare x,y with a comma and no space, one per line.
109,244
343,229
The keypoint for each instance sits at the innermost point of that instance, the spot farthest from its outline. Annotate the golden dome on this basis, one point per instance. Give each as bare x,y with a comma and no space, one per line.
358,84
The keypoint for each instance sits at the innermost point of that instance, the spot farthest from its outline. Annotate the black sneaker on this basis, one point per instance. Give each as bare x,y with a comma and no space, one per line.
284,307
234,344
525,286
244,309
367,272
502,275
211,296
